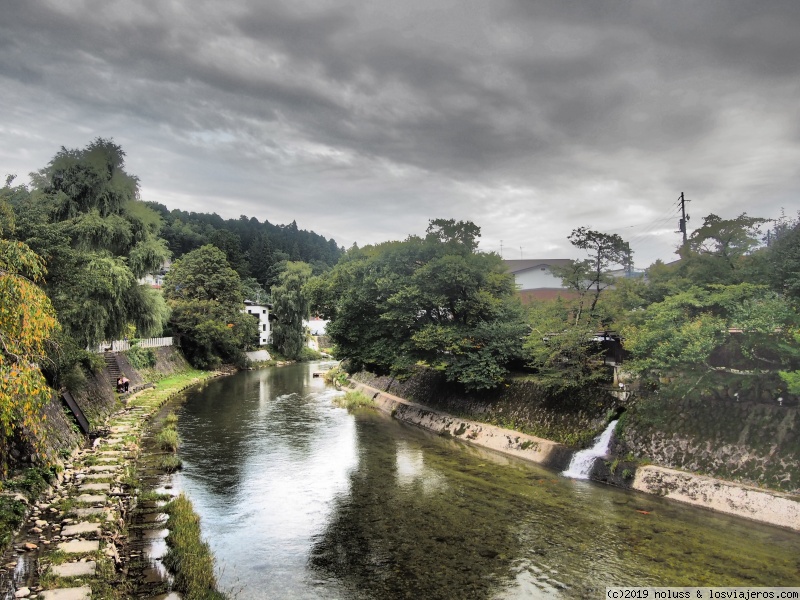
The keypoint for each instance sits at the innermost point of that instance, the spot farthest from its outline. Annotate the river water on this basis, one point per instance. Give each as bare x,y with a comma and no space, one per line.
301,499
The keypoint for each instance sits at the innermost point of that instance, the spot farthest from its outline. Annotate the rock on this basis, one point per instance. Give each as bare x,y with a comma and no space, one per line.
41,523
22,593
79,546
30,546
81,593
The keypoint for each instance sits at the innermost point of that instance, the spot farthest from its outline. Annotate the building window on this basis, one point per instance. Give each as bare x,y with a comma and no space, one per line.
264,327
264,311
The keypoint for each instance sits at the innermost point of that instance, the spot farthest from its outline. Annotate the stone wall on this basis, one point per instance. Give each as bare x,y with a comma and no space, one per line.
751,442
568,418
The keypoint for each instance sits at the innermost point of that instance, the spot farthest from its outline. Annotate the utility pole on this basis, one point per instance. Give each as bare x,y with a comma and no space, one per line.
684,217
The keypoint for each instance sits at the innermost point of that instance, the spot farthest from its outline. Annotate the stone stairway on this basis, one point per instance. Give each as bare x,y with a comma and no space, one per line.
112,366
80,519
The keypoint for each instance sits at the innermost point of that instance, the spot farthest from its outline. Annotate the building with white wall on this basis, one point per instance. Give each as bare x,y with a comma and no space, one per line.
260,312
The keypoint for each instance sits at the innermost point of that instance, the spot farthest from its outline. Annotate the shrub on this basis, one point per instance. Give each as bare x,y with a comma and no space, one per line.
141,358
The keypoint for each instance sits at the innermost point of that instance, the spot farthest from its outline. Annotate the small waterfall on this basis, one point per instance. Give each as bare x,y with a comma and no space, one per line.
581,464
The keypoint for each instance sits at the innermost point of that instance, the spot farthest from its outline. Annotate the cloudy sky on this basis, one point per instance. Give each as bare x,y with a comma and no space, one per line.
363,120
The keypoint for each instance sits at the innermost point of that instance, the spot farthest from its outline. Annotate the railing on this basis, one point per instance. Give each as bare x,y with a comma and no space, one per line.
123,345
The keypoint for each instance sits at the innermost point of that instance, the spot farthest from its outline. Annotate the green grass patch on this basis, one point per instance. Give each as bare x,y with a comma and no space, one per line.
189,557
354,399
170,463
168,439
171,419
335,376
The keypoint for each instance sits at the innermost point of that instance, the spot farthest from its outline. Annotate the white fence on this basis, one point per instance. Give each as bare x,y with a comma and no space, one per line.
123,345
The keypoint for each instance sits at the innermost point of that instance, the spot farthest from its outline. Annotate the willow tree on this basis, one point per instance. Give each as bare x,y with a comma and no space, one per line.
27,322
291,307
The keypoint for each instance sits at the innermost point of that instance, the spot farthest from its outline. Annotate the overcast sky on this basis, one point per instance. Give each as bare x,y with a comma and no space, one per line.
363,120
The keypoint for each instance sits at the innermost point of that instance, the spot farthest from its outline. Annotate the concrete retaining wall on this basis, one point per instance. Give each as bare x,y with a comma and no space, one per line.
538,450
766,506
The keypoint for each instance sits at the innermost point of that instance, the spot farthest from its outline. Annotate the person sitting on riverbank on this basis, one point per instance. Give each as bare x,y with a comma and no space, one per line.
122,384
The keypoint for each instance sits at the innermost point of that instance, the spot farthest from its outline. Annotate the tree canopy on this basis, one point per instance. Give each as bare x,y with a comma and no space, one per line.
435,300
205,296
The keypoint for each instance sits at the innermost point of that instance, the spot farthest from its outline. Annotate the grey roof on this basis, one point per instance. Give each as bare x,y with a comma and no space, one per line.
516,266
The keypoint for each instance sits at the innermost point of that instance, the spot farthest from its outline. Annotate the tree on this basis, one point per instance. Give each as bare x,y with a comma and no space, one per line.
723,251
27,322
205,296
561,346
291,307
678,337
435,300
84,217
605,250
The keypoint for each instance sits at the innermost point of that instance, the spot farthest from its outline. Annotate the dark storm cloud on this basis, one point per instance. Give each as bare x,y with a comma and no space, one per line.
367,119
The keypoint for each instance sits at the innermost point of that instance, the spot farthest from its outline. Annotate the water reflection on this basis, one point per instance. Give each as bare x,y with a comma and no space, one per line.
300,499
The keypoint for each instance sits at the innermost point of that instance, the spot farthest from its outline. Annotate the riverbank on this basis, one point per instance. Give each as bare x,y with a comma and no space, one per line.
75,537
732,498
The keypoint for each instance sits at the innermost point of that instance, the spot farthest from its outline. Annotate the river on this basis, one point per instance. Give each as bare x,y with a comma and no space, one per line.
301,499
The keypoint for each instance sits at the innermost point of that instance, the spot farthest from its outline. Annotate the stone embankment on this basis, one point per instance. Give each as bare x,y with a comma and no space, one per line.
766,506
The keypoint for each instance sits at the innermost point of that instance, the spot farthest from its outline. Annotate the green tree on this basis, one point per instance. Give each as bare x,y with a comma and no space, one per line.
562,346
435,299
291,307
205,296
84,217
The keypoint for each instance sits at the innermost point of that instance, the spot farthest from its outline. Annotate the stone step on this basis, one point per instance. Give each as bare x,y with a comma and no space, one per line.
92,498
75,569
78,593
82,528
95,487
79,546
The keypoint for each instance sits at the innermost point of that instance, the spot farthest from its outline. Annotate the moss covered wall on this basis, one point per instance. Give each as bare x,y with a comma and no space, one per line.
572,419
750,442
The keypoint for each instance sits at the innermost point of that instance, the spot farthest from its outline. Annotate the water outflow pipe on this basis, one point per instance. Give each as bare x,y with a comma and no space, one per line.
580,467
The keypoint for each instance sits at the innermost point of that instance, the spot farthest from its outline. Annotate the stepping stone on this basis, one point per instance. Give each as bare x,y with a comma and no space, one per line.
95,487
80,529
99,476
155,534
120,428
111,453
103,468
89,512
108,460
91,498
170,596
80,546
75,569
79,593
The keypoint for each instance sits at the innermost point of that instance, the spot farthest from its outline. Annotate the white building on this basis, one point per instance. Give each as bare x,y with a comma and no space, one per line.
260,312
316,326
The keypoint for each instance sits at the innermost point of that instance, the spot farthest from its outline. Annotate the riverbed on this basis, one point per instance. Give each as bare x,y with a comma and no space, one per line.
301,499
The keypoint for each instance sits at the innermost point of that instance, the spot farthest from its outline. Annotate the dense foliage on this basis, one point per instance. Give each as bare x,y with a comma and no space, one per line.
27,322
257,250
291,307
434,299
205,296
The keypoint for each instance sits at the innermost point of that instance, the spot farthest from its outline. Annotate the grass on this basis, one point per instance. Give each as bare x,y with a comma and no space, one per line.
335,376
167,439
354,399
189,557
171,419
170,463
